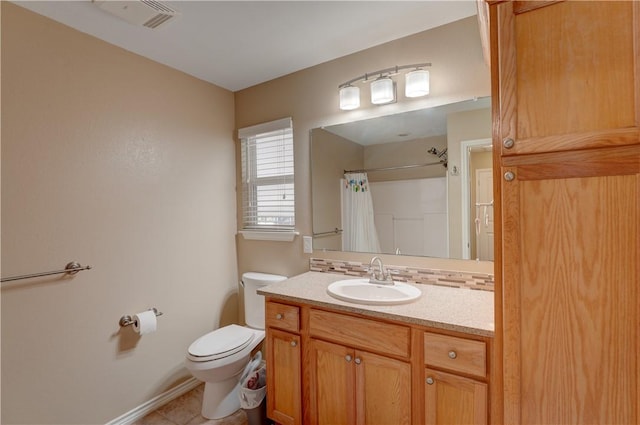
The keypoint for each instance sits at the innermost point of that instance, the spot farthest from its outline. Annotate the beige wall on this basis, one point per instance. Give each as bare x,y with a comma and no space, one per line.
115,161
461,126
310,96
332,155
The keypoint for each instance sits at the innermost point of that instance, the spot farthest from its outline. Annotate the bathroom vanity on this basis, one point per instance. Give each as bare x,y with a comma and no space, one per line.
331,361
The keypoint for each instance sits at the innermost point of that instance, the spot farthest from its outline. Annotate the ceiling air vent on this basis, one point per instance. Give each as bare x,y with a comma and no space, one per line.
146,13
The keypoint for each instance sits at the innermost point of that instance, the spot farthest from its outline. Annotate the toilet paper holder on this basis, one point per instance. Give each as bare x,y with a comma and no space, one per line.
127,320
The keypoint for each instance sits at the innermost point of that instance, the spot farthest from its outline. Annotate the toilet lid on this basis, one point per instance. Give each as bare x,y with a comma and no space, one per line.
220,343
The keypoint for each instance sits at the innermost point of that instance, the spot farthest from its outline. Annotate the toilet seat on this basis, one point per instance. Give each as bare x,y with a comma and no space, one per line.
220,343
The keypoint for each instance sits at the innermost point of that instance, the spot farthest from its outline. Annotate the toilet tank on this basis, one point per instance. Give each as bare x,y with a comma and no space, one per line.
254,303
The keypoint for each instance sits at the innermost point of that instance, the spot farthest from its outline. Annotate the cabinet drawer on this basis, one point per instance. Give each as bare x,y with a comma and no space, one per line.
282,316
456,354
357,332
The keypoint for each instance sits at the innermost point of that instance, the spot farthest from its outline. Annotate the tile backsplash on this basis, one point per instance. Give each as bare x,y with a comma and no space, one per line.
455,279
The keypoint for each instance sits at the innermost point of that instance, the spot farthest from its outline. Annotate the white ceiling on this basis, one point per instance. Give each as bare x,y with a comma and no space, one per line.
238,44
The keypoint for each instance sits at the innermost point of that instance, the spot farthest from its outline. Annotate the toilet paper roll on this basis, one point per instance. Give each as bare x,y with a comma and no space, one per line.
145,322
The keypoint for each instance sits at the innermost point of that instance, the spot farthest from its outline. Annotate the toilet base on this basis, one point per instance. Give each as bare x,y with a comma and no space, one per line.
220,399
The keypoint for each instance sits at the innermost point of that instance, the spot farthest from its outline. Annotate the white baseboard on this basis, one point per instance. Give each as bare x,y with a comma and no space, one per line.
134,414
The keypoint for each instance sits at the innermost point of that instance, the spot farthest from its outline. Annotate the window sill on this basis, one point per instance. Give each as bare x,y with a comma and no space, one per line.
257,235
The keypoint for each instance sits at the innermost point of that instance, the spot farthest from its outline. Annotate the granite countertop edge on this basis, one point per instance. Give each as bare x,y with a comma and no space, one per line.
455,309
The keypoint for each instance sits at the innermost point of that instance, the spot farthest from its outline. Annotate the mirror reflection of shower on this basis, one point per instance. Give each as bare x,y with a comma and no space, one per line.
417,207
441,154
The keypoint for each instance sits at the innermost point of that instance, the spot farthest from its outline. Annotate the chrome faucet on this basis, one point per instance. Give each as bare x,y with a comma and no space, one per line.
383,278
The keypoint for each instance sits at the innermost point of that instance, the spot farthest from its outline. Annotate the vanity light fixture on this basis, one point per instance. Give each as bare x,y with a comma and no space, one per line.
383,90
416,83
383,87
349,98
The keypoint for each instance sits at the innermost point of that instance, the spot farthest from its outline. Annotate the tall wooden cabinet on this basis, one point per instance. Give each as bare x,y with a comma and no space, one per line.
566,90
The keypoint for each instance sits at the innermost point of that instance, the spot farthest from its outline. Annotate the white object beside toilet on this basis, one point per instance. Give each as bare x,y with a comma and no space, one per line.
219,357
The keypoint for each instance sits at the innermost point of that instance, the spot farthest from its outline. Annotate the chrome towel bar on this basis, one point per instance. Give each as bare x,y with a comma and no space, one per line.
71,269
335,231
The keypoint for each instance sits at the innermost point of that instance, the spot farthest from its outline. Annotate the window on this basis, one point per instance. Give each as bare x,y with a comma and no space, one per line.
268,202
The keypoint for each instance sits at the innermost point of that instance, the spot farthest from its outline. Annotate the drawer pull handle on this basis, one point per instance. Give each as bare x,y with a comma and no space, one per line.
357,360
508,143
430,380
453,355
279,316
294,343
347,358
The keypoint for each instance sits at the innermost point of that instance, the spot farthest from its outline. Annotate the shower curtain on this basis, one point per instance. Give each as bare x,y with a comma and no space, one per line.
359,230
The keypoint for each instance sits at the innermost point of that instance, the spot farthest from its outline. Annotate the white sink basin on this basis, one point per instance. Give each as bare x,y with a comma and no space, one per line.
360,291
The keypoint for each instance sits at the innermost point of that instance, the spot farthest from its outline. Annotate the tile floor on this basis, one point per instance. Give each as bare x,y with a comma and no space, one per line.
185,410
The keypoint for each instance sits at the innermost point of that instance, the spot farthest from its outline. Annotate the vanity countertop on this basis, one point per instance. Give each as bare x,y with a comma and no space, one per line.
456,309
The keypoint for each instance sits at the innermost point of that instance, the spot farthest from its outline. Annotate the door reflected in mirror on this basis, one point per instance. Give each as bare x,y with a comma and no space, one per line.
406,184
477,199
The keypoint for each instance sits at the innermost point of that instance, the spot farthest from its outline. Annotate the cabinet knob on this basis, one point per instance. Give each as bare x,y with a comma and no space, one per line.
357,360
430,380
453,354
347,358
509,176
279,316
294,343
508,143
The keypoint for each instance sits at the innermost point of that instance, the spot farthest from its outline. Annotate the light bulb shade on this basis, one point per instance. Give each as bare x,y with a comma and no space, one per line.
417,83
382,91
349,98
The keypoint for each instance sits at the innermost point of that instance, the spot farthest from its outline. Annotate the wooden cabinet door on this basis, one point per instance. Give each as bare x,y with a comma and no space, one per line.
284,377
571,282
355,387
453,400
383,390
332,383
566,74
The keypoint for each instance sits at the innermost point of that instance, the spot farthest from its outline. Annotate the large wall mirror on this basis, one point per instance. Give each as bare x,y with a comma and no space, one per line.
414,183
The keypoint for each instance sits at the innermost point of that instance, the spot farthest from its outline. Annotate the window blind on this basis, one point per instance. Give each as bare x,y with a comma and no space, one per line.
268,201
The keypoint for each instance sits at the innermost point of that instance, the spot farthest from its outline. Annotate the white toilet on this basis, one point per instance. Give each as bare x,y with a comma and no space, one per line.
219,357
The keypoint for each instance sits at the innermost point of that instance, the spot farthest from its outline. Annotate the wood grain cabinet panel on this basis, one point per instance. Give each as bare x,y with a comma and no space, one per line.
374,335
383,390
332,371
282,316
284,377
355,387
284,363
567,74
571,265
566,85
455,354
453,400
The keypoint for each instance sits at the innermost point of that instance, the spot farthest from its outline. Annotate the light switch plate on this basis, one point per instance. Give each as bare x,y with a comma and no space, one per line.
307,244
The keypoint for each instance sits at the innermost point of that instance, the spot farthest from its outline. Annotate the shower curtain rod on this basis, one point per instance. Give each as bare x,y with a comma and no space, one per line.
399,167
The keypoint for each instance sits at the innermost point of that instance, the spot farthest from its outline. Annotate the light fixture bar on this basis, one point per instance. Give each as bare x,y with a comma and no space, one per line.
387,71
